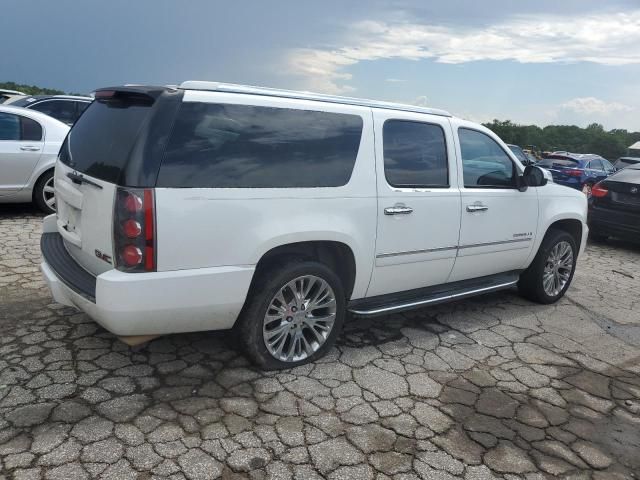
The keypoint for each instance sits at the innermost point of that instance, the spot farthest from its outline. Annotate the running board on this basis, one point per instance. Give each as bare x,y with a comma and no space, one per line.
399,302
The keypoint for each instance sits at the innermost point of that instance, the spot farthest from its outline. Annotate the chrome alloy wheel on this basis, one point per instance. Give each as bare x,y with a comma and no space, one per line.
299,318
48,194
557,269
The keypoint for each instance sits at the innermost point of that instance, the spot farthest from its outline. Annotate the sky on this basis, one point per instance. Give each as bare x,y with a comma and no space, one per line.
533,62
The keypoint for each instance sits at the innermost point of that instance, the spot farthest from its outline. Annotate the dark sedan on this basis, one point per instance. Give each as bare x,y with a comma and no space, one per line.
614,206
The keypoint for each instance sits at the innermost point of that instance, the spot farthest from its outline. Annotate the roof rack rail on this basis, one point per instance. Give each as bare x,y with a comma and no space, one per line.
275,92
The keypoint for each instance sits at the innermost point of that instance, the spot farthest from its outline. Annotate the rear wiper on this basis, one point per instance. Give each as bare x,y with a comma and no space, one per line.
77,178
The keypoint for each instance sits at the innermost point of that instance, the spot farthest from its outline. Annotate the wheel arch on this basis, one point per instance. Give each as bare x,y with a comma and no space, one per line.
335,254
572,226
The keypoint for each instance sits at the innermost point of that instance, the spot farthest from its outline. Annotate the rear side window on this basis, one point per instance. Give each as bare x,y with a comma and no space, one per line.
30,129
16,127
243,146
415,154
63,110
101,140
596,165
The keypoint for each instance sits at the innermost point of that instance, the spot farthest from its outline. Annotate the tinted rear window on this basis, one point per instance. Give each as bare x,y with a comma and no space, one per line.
559,162
100,142
243,146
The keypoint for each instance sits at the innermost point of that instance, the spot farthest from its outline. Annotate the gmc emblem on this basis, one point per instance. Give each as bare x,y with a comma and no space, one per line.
103,256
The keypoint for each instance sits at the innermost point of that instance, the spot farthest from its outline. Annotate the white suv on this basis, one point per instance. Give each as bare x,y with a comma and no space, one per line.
215,206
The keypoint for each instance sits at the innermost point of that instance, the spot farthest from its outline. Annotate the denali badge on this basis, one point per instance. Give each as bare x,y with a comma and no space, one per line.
103,256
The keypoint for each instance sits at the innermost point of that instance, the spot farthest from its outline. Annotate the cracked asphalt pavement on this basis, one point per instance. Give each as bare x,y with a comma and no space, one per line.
492,387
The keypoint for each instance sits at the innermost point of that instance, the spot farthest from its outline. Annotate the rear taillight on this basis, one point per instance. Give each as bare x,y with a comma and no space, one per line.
134,230
574,172
599,191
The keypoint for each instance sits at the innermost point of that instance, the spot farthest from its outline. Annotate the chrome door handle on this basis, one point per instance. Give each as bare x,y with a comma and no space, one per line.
398,210
29,148
477,208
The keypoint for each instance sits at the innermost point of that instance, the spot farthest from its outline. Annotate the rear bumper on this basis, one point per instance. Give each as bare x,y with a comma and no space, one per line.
152,303
616,223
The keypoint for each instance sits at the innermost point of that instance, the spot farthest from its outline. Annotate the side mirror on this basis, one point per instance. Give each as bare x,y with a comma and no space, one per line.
534,176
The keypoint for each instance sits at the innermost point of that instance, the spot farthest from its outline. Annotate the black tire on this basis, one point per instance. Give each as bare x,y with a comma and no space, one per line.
531,280
249,326
39,193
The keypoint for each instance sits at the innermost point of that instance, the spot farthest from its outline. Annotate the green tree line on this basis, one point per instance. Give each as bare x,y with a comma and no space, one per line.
30,89
592,139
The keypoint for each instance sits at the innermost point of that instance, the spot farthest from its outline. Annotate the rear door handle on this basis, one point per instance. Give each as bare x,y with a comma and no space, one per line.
29,148
398,210
477,208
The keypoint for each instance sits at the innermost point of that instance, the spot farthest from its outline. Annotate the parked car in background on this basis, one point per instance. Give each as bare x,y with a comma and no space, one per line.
533,159
624,162
275,213
66,108
522,156
6,95
29,145
614,206
575,170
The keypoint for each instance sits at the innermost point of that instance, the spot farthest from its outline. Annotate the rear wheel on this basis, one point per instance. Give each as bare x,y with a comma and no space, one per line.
550,274
292,316
44,193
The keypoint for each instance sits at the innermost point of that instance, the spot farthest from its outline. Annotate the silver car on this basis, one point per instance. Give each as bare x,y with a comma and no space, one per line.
29,145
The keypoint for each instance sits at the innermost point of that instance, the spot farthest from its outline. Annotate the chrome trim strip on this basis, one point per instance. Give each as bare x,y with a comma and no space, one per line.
414,252
443,298
442,249
502,242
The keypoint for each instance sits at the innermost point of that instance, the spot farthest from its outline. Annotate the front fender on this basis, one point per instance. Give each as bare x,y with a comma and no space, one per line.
559,203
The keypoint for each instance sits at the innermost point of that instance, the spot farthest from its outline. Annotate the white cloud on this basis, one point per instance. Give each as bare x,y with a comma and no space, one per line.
592,105
610,39
394,80
421,101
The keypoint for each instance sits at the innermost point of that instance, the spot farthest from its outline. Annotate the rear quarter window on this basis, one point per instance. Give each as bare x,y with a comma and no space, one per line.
244,146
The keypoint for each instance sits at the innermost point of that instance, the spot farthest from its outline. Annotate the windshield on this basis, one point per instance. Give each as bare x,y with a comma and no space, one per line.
518,153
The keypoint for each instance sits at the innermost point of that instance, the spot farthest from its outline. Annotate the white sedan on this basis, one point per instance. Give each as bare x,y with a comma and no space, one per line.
29,145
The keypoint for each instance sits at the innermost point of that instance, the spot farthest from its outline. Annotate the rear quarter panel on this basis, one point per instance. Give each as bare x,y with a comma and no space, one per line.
207,227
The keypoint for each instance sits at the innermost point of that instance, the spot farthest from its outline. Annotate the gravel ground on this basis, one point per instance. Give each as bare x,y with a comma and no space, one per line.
493,387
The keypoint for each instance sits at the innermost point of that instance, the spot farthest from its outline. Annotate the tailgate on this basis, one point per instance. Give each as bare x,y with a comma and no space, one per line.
84,218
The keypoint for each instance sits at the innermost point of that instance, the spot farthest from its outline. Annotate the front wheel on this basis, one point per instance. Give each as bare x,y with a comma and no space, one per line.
292,316
550,274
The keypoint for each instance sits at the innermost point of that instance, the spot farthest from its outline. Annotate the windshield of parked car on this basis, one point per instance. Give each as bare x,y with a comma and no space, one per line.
517,151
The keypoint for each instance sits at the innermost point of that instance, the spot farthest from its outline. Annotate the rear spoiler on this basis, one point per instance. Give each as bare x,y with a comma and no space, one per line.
145,93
